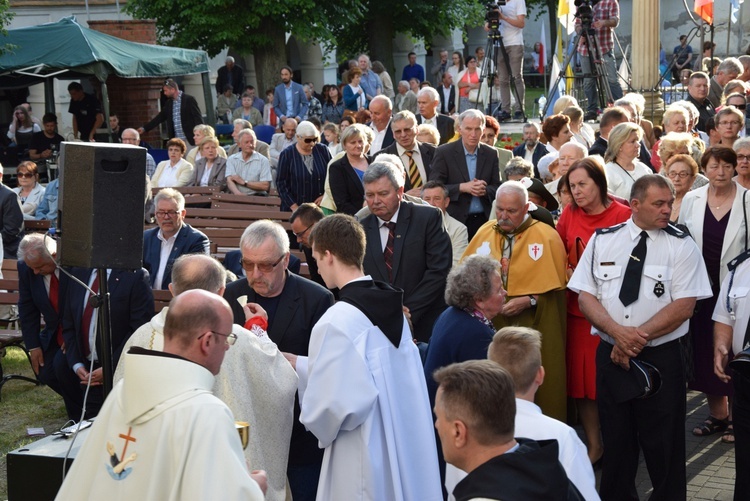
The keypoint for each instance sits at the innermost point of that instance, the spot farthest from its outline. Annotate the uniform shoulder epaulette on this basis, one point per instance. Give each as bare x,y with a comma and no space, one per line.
734,263
611,229
676,231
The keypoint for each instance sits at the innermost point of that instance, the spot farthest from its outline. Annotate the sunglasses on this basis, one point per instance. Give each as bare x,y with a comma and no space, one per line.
25,174
309,140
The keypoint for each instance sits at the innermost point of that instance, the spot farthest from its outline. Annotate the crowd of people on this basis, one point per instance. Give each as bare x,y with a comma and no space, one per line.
460,295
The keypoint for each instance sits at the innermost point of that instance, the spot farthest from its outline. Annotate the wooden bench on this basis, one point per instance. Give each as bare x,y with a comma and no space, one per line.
11,336
161,299
252,200
194,195
36,226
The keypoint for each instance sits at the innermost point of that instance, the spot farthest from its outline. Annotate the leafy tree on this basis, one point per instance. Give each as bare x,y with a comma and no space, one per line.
258,26
5,18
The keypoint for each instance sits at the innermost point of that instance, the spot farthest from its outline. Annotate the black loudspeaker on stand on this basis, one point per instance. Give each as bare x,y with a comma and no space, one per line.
102,188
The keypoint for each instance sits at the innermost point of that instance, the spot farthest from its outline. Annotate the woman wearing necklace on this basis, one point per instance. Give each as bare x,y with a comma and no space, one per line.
590,208
715,217
623,167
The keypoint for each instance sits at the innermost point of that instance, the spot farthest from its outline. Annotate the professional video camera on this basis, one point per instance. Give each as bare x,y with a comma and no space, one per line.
585,10
493,13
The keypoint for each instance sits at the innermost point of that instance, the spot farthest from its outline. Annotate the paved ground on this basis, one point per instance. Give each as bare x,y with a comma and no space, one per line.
710,462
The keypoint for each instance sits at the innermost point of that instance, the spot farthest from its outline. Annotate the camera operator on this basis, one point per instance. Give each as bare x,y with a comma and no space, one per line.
512,16
605,17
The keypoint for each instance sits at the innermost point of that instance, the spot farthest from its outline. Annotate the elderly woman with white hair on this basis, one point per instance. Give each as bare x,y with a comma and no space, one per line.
675,119
623,166
742,148
302,169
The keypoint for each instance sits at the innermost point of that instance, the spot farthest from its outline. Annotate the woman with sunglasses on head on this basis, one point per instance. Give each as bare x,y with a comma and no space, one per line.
302,169
29,191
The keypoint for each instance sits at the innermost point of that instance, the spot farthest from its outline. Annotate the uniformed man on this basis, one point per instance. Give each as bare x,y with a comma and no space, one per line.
732,333
638,283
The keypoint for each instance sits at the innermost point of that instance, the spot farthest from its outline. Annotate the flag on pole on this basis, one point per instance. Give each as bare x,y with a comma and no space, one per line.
735,8
542,50
565,11
705,9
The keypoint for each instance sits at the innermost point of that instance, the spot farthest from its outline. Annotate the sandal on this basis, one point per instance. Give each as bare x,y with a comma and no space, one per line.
710,426
728,436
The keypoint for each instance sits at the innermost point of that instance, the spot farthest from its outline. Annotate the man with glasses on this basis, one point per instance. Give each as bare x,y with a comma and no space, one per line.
174,439
303,220
294,304
131,136
248,172
256,381
416,156
171,239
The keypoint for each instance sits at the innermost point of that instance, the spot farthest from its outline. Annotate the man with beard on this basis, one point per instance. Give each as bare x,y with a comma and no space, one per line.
289,99
531,149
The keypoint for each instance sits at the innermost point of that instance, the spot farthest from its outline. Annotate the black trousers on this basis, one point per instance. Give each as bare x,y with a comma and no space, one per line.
741,420
73,391
655,425
473,223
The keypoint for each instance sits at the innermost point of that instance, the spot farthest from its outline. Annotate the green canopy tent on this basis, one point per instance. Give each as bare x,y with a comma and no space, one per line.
65,48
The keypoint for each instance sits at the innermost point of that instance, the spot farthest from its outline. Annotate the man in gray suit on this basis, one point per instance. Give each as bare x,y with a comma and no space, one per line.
470,171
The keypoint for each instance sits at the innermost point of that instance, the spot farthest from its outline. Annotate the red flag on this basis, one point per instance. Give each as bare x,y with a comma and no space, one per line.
705,9
542,50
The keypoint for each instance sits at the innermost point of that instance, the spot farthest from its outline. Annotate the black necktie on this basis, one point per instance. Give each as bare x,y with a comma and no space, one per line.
631,282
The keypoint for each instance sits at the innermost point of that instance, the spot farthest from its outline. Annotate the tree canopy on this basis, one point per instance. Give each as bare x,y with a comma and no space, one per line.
5,18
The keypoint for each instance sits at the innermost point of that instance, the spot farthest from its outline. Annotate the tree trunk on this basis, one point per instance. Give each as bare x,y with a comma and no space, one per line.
270,59
380,39
553,24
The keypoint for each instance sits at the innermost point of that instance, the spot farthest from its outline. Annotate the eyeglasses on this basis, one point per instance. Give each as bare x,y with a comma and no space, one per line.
733,122
309,140
681,175
231,338
262,267
298,235
25,174
167,213
743,157
739,106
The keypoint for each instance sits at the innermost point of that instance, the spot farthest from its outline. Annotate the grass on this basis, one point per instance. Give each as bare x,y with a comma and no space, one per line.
24,405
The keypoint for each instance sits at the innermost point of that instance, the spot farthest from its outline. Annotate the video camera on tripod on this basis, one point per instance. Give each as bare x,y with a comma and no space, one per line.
493,13
585,11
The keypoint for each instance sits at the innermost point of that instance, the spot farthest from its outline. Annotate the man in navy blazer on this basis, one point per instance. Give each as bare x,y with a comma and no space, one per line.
294,304
422,254
171,239
41,295
531,143
289,99
131,305
470,170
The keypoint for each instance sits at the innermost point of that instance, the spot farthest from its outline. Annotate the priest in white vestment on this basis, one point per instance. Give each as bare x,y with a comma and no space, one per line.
173,440
255,381
362,389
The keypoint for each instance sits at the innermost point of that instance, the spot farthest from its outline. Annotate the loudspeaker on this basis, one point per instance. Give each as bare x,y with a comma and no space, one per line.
102,192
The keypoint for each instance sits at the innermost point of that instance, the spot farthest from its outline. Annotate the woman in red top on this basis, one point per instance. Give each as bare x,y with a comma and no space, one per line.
591,208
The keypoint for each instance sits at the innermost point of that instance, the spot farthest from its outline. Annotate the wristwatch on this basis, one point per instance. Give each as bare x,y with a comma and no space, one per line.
533,301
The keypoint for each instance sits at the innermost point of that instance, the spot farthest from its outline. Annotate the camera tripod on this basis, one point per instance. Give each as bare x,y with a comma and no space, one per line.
494,48
596,64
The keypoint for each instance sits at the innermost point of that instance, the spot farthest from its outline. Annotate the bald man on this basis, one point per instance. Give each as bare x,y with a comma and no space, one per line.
159,436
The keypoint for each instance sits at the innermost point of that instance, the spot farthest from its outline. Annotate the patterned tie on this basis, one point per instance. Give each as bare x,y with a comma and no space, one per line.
414,177
631,282
88,313
388,252
54,295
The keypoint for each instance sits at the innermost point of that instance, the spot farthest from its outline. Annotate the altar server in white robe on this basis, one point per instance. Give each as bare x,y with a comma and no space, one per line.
173,440
255,381
362,390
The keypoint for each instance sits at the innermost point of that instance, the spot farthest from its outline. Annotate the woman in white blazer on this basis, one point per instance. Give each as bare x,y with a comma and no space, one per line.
716,216
173,172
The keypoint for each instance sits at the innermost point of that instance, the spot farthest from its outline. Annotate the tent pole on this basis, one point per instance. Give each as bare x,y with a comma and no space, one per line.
105,104
49,95
209,98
